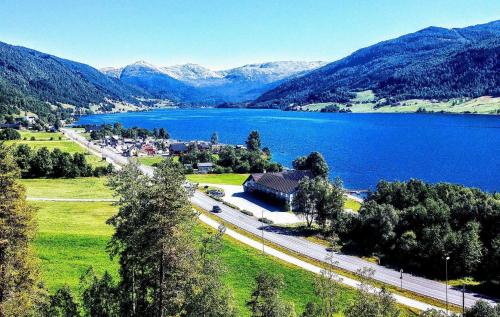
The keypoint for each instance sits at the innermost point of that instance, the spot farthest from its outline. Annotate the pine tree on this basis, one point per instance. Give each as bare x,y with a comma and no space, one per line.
153,240
18,268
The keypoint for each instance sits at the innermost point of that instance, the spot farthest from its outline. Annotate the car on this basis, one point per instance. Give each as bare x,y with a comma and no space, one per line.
216,209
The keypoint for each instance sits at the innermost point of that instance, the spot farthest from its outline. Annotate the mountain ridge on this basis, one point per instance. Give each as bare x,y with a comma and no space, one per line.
416,65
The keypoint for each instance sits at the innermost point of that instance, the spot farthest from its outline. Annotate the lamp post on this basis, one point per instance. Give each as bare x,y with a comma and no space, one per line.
262,211
463,299
401,278
446,272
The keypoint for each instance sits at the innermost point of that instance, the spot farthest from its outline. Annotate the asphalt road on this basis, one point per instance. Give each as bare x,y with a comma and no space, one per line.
415,284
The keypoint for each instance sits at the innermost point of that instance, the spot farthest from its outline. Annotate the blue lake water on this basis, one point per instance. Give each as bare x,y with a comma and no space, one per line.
360,148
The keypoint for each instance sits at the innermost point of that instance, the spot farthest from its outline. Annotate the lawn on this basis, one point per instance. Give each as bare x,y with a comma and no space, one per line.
245,263
42,136
71,237
64,145
221,179
150,160
85,187
352,204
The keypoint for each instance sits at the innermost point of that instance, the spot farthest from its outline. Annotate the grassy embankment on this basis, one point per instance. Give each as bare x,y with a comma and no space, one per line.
365,103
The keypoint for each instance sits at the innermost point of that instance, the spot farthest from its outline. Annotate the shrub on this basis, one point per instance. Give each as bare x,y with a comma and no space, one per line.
266,221
9,134
246,212
231,205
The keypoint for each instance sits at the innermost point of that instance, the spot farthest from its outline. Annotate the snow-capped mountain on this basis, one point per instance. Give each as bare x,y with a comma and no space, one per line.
272,71
155,81
195,83
112,71
192,73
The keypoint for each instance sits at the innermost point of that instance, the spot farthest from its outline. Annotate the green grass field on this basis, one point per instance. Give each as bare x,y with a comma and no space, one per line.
42,136
221,179
149,160
71,237
42,139
64,145
85,187
364,103
351,204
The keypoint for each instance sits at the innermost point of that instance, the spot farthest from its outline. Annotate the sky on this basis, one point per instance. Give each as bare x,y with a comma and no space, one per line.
221,34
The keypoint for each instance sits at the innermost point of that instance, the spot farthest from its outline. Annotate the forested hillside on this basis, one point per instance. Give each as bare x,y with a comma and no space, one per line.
31,80
434,63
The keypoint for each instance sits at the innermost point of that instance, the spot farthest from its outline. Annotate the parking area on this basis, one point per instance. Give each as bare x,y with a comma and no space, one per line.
236,196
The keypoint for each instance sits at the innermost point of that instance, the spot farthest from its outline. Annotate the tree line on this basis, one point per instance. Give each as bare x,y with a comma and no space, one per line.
416,225
55,163
230,159
100,132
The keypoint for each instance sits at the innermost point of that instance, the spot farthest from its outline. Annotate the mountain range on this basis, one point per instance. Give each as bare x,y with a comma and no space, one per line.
433,63
197,84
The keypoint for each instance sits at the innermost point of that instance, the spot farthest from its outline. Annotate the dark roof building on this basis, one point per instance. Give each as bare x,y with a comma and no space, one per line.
280,186
178,148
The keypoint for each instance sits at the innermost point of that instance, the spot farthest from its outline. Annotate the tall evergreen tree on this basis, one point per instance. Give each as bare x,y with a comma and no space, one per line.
253,141
153,240
163,273
214,139
18,268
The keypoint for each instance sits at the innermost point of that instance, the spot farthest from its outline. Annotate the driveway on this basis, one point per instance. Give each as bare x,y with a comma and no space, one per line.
235,195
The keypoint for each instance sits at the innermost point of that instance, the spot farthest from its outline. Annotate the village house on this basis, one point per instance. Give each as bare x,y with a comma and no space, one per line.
280,186
178,148
131,151
149,149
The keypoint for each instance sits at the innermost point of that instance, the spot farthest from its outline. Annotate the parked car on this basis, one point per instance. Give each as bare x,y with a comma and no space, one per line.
216,209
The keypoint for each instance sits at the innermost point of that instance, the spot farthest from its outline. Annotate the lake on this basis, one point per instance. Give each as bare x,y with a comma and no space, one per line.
360,148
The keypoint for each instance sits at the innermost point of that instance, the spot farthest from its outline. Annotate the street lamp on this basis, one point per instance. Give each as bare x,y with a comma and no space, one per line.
401,278
446,271
262,221
463,299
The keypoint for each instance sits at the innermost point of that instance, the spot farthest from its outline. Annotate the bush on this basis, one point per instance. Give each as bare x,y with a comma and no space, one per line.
266,221
231,205
32,138
246,212
218,170
10,134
